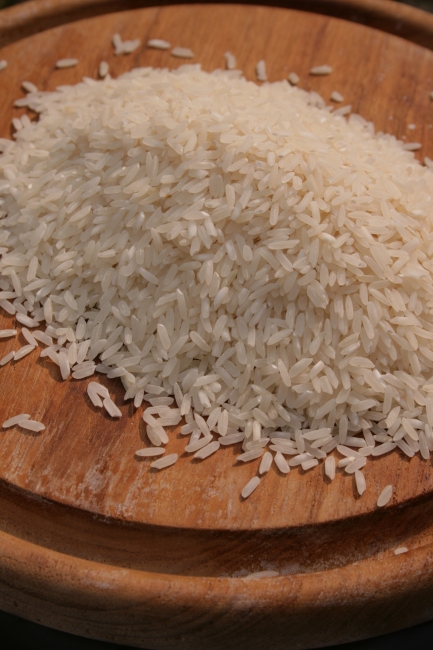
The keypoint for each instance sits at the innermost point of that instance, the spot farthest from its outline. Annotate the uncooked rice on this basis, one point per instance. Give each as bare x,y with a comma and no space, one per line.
103,69
336,96
265,463
321,70
150,451
230,61
330,467
7,333
250,487
31,425
158,44
28,336
131,46
124,47
182,52
344,462
250,455
261,71
10,422
164,462
8,357
208,450
360,482
400,550
23,351
3,64
242,251
384,496
66,63
309,464
29,87
281,463
293,78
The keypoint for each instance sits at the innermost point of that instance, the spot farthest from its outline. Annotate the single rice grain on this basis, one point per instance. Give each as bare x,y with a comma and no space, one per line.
158,44
384,496
182,52
165,461
15,420
250,487
321,70
31,425
400,550
66,63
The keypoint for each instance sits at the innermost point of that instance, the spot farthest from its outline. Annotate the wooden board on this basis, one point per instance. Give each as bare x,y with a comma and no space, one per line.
94,542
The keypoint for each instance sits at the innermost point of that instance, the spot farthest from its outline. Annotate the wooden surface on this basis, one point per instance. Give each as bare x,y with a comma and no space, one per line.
388,16
94,542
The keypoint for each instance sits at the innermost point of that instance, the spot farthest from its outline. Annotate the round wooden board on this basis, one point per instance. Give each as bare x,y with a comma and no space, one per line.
94,542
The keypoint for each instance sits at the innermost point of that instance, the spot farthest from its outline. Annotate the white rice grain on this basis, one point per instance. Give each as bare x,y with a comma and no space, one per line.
26,320
66,63
103,69
15,420
355,465
195,445
250,487
130,46
330,467
111,408
31,425
29,87
28,336
344,462
230,61
249,455
360,482
182,52
261,71
400,550
208,450
321,70
8,357
165,461
93,395
232,439
384,496
281,463
309,464
23,351
158,44
265,463
149,452
65,369
7,333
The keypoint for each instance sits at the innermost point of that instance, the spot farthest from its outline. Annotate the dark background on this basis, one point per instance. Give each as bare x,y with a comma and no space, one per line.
23,635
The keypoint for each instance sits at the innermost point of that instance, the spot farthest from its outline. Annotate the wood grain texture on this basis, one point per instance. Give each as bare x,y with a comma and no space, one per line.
94,542
388,16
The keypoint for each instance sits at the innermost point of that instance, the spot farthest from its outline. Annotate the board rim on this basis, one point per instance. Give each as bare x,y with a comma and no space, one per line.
410,23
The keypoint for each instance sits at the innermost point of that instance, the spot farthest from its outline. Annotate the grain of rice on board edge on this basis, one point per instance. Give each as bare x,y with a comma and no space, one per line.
238,255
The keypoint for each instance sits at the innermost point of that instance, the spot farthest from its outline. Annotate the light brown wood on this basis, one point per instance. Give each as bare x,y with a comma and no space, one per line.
91,540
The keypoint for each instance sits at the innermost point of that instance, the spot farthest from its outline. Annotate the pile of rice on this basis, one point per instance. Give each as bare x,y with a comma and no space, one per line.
239,255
